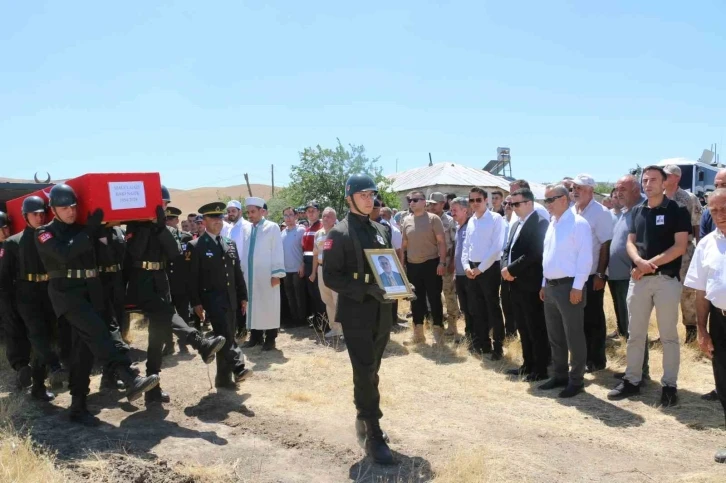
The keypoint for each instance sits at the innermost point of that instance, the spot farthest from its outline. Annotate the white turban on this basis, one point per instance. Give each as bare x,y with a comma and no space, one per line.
234,204
255,201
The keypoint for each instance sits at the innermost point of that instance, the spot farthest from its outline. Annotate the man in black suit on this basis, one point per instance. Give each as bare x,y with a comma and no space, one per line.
522,267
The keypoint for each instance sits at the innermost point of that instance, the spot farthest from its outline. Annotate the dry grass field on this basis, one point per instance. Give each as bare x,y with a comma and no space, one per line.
451,417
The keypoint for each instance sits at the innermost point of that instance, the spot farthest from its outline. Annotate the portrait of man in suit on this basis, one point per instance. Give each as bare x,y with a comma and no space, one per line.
389,277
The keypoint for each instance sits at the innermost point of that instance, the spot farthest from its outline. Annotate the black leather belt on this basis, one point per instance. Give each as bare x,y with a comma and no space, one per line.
73,273
474,264
150,265
553,282
110,268
35,277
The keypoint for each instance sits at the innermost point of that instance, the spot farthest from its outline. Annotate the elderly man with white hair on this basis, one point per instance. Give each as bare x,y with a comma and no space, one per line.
263,265
235,230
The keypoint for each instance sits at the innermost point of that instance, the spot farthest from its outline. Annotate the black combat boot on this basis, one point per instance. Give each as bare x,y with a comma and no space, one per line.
156,395
79,413
376,446
110,381
137,385
207,347
25,377
57,376
360,432
38,391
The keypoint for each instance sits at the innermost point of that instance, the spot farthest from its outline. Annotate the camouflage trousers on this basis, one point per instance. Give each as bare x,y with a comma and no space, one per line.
449,293
688,295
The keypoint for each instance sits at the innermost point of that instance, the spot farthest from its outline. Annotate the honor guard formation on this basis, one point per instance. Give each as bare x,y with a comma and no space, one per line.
507,265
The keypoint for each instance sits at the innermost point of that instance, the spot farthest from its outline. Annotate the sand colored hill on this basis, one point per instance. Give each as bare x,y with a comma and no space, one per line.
190,200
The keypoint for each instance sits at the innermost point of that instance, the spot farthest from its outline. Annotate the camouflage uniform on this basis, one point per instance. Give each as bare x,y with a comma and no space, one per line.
688,296
449,291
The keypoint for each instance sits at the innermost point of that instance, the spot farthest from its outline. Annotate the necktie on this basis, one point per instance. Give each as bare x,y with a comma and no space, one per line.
390,280
219,244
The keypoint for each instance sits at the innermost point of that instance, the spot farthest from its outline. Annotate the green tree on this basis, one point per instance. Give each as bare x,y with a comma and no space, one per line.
604,188
322,172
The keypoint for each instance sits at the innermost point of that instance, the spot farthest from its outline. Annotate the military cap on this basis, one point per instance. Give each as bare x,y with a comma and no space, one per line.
216,209
172,212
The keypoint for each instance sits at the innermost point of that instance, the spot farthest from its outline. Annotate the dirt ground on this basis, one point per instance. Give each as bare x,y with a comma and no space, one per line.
451,418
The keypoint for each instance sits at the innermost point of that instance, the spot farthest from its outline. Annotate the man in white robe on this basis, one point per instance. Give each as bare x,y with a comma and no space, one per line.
263,265
235,230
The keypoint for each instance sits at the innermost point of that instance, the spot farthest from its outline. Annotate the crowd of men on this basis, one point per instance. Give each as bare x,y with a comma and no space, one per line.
508,265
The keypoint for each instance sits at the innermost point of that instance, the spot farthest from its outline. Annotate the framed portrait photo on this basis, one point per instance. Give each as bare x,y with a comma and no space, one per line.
389,273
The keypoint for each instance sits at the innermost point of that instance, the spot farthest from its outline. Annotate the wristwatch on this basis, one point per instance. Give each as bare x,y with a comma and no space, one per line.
602,276
443,263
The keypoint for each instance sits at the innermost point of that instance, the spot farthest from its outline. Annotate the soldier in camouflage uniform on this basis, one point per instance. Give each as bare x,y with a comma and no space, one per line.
691,203
449,284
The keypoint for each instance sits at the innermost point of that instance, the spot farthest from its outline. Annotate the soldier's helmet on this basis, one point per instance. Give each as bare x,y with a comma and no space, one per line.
3,220
33,204
165,196
62,195
359,182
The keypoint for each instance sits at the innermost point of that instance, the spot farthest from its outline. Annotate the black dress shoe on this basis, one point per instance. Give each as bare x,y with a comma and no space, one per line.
623,390
42,394
520,371
571,390
711,396
251,343
669,396
156,395
553,384
376,446
534,377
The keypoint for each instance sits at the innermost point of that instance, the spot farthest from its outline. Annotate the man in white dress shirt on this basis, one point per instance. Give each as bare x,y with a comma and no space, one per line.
707,276
480,257
566,264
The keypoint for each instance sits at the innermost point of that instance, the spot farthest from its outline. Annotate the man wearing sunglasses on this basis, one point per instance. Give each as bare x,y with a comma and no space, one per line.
480,256
425,247
522,269
566,264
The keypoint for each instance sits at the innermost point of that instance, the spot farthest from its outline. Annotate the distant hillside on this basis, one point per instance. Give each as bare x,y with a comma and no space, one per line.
190,200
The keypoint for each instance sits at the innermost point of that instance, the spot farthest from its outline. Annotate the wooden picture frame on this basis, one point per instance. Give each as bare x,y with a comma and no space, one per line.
389,273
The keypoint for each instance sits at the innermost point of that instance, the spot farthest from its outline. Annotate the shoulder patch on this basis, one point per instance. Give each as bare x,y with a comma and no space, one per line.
45,236
328,244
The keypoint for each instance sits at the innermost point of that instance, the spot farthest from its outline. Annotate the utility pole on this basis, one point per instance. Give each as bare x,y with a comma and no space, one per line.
247,180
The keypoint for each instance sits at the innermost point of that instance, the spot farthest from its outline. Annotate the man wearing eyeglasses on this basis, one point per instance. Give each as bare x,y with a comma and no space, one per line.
425,247
566,264
601,226
480,257
522,269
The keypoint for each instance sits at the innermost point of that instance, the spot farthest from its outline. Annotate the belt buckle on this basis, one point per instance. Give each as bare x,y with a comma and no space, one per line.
153,265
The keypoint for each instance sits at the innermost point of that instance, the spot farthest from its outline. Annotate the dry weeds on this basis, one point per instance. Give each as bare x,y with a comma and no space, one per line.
451,417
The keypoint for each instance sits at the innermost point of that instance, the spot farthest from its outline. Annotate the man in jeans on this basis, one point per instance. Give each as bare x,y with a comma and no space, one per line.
656,243
425,247
627,193
480,256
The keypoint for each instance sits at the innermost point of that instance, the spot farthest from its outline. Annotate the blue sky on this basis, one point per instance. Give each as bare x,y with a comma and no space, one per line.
205,91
